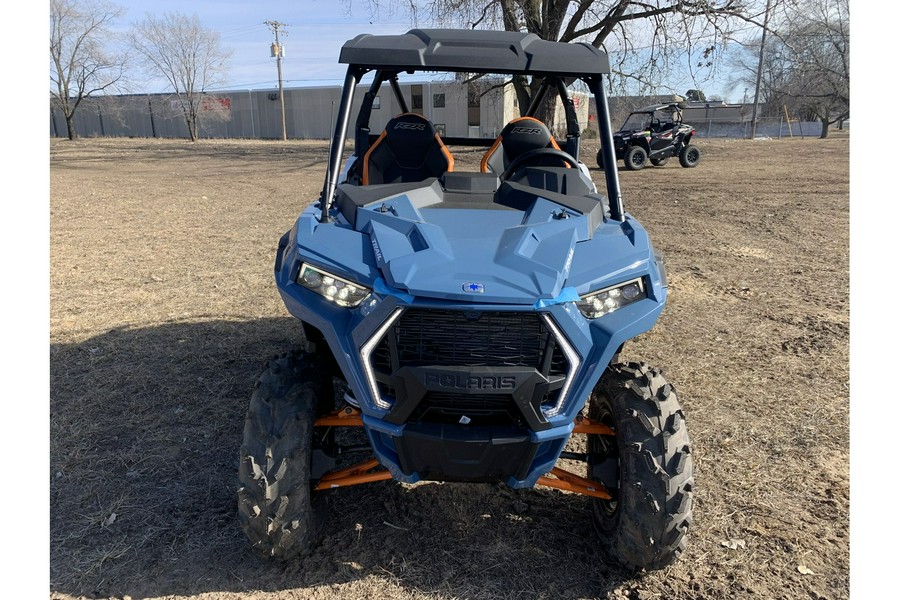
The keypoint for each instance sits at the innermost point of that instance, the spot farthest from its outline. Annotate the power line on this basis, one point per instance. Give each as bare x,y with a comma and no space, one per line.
240,32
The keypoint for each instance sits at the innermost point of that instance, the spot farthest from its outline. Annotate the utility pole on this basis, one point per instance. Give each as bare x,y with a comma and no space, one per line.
278,53
759,68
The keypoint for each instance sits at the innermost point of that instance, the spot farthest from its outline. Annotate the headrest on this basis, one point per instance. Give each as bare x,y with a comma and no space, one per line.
406,134
524,134
409,124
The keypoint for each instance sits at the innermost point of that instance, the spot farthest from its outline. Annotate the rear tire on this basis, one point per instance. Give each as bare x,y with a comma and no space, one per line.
275,504
689,157
647,467
635,158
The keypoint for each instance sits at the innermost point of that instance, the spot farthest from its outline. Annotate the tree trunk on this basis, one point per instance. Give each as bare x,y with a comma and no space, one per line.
70,126
546,112
824,133
191,121
523,94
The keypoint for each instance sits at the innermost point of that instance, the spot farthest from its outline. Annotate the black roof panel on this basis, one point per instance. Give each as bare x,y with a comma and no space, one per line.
654,107
473,51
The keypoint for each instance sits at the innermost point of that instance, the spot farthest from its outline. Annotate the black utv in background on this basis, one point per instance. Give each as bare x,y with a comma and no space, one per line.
654,133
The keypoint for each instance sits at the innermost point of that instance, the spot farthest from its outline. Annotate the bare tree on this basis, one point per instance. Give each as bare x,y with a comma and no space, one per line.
806,65
744,67
81,62
187,56
647,39
816,54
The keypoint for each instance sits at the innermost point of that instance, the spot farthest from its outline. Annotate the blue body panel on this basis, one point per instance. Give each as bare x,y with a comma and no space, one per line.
419,255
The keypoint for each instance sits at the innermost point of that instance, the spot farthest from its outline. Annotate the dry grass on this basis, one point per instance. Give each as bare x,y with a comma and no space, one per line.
164,309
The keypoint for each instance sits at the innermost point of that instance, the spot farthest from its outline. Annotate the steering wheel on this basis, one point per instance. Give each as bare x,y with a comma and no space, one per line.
517,163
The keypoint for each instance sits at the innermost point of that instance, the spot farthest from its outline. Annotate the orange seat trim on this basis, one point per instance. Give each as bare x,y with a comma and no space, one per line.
493,148
444,150
365,174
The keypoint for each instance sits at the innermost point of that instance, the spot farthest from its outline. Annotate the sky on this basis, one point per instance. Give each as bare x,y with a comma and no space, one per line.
315,31
312,37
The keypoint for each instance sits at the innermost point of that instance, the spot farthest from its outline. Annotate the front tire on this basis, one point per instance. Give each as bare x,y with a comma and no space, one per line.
647,467
635,158
689,157
274,502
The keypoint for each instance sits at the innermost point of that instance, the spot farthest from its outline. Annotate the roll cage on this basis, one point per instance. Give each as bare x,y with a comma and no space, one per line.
471,52
672,111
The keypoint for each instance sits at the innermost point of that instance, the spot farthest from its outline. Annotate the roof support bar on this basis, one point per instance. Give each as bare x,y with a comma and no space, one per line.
573,129
616,210
340,136
365,113
395,85
538,98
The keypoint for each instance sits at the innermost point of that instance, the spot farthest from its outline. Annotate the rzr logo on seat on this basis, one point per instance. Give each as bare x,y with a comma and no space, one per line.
413,126
527,130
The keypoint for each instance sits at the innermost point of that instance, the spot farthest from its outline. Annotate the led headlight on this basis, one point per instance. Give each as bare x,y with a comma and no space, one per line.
602,302
333,288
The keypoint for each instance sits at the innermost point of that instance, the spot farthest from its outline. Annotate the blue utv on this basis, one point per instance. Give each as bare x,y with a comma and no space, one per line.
474,318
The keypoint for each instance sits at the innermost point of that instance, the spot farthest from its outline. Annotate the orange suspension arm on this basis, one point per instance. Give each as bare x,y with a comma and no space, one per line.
585,425
571,482
353,475
360,473
349,417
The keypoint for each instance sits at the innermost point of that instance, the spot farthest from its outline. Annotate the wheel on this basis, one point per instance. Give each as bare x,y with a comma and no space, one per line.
600,159
635,158
689,156
274,502
647,468
659,162
530,156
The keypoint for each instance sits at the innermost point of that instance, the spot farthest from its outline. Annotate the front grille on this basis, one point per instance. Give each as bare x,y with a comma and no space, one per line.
449,408
444,338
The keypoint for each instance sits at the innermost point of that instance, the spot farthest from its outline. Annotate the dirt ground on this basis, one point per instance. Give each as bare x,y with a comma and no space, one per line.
164,310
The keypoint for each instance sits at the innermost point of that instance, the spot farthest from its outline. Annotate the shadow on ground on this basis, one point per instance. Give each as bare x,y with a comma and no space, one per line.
145,432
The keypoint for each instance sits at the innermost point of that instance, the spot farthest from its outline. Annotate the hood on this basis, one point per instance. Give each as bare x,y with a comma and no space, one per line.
475,255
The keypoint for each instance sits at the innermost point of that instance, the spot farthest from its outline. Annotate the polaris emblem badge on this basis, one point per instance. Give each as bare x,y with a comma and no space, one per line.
473,288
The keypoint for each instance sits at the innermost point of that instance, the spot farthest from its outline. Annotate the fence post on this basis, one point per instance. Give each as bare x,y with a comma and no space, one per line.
780,125
100,116
709,128
252,126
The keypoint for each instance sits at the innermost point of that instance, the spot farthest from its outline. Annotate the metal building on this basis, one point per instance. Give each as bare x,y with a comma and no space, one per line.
458,109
